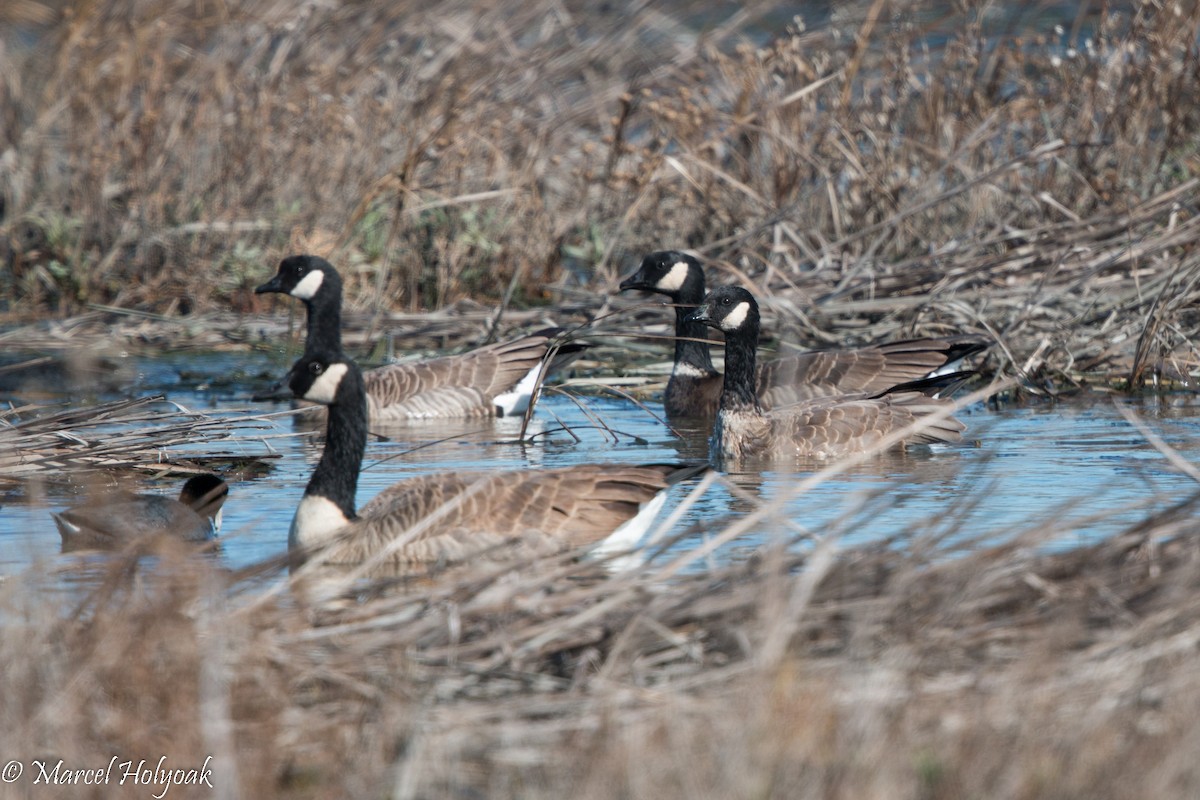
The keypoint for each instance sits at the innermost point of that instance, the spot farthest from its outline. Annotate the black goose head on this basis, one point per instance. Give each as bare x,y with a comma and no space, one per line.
729,308
669,272
303,277
205,494
325,378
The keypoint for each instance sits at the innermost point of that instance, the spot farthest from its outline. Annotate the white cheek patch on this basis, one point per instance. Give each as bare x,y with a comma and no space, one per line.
325,387
673,280
317,518
734,319
683,369
307,288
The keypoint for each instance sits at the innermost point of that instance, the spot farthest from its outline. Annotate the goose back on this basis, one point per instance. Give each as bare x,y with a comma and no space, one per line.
473,513
466,385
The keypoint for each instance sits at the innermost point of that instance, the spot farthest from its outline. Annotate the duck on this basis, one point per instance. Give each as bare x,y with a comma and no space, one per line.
832,426
495,380
451,517
194,517
694,388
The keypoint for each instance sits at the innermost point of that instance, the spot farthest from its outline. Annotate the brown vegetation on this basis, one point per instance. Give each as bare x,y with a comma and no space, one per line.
908,171
907,174
871,672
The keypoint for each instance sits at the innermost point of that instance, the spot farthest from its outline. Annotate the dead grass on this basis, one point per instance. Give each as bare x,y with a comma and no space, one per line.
909,169
159,157
1012,671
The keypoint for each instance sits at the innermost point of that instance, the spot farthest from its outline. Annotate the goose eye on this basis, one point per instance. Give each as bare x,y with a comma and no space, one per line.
316,368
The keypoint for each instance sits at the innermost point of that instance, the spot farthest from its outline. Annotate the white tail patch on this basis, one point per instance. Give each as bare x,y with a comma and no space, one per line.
324,388
307,288
947,368
631,531
317,518
517,401
734,319
673,280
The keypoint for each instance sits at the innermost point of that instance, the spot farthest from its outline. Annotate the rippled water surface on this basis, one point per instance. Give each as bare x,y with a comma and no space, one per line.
1078,468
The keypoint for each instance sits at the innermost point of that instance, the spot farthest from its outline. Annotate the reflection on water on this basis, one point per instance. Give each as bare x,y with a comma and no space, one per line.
1079,470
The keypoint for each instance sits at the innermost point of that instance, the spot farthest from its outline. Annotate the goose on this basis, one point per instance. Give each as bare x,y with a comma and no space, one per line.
454,516
195,516
694,388
822,427
495,380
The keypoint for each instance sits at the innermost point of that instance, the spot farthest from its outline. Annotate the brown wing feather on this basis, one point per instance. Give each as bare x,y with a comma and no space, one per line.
874,369
825,373
464,385
478,511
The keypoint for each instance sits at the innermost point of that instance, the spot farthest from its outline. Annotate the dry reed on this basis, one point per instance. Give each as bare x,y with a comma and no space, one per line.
1011,670
145,435
909,170
882,173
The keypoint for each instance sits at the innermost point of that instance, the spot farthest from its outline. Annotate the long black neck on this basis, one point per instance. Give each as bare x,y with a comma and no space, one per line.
687,349
738,390
325,318
336,475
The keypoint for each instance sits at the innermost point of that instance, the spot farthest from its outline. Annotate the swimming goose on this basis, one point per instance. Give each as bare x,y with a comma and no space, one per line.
694,389
823,427
195,516
456,515
495,380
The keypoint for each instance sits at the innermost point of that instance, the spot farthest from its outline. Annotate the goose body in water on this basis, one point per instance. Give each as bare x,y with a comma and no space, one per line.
454,516
494,380
194,517
694,388
823,427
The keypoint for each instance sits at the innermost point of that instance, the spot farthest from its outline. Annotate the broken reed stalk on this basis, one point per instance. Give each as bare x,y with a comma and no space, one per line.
134,434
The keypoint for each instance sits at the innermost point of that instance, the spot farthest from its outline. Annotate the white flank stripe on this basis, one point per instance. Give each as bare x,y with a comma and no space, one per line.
673,280
517,401
325,387
307,288
316,519
632,530
70,527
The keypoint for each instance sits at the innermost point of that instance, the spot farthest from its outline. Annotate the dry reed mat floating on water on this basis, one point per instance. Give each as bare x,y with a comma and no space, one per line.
148,434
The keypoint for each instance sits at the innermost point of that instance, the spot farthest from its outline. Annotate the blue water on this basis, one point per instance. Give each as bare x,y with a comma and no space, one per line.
1073,471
